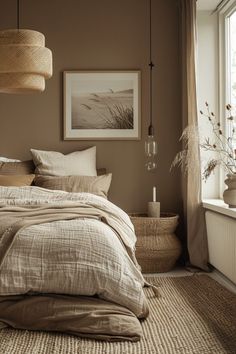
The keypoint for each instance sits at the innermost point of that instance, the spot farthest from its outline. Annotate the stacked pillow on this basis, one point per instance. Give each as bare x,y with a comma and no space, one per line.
6,159
74,172
76,163
98,185
16,173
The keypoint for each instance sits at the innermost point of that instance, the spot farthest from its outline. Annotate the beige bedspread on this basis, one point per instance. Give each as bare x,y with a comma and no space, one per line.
83,316
55,242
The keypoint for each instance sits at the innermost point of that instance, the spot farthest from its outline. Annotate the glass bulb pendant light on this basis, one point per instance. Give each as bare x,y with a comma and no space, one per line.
150,143
151,150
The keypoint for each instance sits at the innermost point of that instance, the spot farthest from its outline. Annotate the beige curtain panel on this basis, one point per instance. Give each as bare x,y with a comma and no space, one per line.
194,213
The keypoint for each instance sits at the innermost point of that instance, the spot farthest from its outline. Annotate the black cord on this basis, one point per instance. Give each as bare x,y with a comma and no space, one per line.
151,65
18,14
150,31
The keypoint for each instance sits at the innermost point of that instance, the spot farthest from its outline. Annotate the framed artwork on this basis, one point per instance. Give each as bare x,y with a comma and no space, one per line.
102,105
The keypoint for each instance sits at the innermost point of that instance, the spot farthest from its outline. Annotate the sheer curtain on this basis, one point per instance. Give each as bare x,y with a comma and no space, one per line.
194,213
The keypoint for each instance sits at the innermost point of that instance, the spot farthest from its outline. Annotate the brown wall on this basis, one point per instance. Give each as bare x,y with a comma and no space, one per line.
104,34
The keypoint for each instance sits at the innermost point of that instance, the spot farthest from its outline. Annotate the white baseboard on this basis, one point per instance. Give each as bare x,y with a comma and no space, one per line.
223,280
182,272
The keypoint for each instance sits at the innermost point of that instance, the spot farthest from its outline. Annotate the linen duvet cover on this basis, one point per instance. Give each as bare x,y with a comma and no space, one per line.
69,258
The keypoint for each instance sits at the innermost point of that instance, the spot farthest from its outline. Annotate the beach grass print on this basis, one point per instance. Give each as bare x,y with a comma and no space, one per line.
103,110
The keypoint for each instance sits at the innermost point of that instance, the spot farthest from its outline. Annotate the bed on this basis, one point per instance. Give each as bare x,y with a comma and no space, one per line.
67,263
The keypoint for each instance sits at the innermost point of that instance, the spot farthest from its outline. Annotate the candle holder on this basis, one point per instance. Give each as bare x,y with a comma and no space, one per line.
154,209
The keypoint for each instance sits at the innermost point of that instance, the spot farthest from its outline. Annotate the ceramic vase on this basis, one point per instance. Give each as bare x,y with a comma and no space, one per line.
229,194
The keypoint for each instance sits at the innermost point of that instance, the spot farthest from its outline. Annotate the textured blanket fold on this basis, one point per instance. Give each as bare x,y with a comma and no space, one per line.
54,242
15,219
79,315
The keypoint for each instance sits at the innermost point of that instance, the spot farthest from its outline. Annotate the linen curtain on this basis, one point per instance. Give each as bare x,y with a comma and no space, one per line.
193,210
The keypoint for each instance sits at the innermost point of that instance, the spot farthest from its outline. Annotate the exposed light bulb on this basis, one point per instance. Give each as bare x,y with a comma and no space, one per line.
151,151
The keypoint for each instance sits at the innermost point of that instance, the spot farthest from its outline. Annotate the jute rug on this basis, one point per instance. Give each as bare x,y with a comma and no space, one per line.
193,315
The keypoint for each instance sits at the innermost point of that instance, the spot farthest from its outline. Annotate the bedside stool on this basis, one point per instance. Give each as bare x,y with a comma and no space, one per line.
157,247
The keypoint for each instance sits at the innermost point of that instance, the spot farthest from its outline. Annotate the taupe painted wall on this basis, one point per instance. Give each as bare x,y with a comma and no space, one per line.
102,34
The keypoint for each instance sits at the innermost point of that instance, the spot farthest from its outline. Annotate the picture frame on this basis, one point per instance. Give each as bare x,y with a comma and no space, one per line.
102,105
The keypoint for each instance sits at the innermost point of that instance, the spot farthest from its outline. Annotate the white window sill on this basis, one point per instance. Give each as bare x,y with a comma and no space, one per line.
219,206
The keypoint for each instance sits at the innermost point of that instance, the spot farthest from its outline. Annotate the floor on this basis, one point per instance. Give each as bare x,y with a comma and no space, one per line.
215,274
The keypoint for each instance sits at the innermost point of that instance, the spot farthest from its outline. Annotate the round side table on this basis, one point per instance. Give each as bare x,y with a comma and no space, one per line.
157,247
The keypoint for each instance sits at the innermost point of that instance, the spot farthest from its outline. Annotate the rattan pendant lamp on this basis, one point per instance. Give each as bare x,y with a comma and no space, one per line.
25,63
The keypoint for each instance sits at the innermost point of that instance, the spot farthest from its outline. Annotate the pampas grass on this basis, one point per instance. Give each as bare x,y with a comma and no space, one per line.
121,117
221,146
186,158
106,111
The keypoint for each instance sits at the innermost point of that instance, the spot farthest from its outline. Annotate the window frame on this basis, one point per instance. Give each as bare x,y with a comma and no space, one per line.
224,69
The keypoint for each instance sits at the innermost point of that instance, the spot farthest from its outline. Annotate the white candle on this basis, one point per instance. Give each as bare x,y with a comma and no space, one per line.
154,194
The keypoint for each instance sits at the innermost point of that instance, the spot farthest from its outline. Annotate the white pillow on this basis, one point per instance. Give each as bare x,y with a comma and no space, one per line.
52,163
5,159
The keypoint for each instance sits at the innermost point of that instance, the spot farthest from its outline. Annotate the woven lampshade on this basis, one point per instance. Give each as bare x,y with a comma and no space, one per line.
25,63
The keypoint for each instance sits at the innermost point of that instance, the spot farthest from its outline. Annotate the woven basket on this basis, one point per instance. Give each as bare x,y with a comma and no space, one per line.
157,247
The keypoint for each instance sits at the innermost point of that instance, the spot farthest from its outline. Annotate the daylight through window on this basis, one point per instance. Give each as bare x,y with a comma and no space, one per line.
232,58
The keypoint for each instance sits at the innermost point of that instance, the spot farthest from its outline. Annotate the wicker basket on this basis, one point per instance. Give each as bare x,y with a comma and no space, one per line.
157,247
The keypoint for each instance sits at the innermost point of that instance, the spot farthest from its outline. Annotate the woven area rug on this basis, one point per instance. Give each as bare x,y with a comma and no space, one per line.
194,314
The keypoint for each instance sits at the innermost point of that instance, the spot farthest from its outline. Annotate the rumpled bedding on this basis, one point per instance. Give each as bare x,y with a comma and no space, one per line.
69,248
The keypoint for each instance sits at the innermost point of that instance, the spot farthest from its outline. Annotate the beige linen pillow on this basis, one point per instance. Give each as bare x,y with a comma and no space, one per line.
98,185
16,180
17,168
6,159
78,163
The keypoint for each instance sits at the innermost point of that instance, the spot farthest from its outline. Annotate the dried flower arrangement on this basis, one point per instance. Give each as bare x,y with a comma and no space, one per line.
221,145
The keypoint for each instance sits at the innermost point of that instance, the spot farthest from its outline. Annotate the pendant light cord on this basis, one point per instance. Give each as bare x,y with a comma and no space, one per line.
151,65
18,14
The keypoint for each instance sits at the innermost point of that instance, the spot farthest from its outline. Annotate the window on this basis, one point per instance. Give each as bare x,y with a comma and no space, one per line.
227,47
216,77
227,81
230,69
231,81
